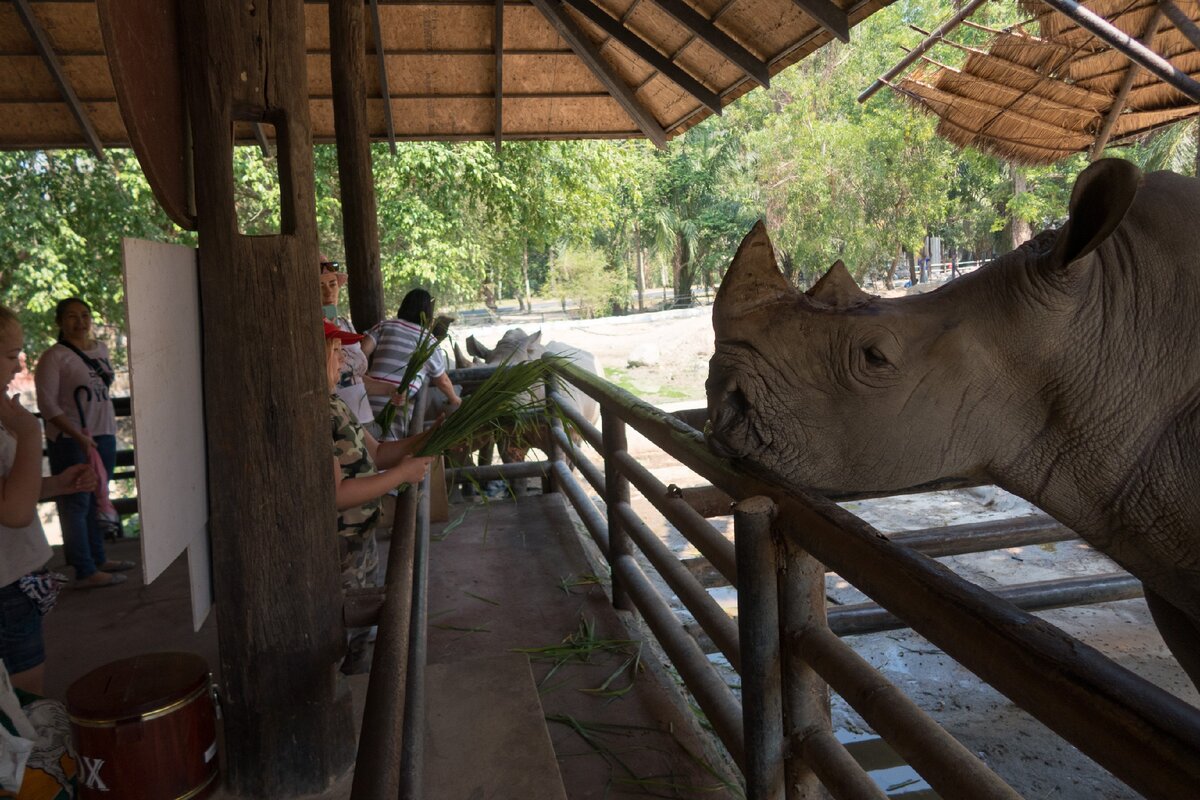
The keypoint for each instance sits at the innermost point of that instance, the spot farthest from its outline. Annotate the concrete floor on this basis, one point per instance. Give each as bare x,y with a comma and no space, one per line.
511,575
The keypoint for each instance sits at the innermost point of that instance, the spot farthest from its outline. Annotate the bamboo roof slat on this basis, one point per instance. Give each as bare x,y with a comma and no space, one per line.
1009,98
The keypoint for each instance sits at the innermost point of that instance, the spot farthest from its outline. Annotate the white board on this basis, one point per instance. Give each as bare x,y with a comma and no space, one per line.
162,305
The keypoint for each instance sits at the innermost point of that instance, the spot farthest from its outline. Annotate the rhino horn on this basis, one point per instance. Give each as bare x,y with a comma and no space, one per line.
837,289
752,280
461,361
478,350
1102,195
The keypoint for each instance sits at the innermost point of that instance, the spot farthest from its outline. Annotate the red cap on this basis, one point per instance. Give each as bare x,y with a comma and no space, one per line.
346,337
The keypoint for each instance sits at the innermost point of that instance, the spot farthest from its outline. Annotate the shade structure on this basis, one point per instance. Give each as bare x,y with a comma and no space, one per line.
570,68
1042,91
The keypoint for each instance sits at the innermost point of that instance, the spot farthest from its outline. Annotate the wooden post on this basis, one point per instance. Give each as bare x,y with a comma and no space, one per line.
287,714
616,490
348,65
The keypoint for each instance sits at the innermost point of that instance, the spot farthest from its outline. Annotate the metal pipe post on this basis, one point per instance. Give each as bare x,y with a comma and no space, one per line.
549,482
758,635
616,491
805,694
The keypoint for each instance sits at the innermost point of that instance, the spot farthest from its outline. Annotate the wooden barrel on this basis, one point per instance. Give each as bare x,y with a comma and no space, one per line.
145,729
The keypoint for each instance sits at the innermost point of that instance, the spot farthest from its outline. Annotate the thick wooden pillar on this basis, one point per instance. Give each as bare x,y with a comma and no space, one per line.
287,713
348,64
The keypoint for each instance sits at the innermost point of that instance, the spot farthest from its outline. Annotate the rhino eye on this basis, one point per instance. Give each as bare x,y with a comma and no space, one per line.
874,356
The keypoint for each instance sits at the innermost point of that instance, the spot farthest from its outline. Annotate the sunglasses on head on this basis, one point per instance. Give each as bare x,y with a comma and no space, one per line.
331,266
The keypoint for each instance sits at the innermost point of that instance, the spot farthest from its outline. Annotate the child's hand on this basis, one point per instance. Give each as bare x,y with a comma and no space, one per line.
17,419
75,478
413,468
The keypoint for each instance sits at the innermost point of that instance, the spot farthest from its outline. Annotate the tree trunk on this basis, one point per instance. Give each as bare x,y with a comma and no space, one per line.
641,267
1021,230
287,713
527,302
912,268
889,281
682,272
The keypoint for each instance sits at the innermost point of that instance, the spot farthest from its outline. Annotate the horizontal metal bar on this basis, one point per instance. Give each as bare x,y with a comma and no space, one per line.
860,618
586,468
495,472
713,619
592,519
950,768
714,697
695,528
979,537
840,774
570,409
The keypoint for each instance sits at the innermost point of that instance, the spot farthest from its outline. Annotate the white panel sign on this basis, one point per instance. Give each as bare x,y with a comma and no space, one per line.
162,304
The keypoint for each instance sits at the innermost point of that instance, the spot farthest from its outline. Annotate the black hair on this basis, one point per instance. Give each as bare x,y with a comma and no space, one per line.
61,309
416,307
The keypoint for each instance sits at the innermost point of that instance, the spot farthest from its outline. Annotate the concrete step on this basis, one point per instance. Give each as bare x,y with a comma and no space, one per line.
485,734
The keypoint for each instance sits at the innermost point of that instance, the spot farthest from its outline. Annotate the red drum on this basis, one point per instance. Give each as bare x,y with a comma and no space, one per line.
145,729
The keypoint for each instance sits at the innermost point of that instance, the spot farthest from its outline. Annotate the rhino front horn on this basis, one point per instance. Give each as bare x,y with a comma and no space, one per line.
837,289
753,279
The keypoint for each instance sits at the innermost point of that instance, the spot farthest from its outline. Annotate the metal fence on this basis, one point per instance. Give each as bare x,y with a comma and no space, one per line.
788,656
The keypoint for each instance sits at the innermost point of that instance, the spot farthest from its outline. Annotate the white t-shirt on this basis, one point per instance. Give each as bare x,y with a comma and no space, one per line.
59,373
22,550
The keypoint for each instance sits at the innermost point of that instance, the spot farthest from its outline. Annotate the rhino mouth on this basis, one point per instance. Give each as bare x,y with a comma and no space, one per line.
731,434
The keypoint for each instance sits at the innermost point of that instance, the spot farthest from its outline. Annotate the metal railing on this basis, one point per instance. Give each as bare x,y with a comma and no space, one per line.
780,734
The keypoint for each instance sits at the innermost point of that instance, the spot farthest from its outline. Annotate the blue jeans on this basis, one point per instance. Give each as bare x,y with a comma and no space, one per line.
83,538
21,644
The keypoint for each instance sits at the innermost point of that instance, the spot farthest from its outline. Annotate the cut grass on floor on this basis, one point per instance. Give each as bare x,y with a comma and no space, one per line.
580,647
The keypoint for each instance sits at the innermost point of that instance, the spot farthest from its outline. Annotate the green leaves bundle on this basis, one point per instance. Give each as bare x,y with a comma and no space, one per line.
505,404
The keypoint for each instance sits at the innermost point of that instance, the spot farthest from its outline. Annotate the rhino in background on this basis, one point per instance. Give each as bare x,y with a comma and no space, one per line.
1067,372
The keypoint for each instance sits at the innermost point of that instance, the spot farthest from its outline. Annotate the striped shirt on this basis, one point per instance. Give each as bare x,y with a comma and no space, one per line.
395,341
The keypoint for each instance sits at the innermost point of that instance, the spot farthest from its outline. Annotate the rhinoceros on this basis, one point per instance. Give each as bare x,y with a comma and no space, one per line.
1067,372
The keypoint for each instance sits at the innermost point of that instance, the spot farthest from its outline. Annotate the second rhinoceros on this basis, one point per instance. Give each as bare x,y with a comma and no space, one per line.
1067,372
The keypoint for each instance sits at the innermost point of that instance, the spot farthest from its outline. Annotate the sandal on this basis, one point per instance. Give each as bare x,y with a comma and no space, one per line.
98,580
117,566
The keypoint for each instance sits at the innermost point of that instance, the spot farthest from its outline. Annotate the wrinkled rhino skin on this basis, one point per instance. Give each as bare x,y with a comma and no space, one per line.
1067,372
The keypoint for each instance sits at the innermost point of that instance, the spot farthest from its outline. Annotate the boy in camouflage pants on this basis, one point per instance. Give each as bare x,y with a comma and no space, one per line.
364,470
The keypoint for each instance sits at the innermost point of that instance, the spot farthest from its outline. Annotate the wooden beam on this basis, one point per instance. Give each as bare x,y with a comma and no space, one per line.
828,16
1122,42
383,78
1131,73
754,67
647,52
288,719
46,51
498,37
360,224
920,49
260,136
1182,21
578,41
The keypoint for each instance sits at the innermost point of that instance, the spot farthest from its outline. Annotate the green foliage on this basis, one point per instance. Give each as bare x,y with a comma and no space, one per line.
582,275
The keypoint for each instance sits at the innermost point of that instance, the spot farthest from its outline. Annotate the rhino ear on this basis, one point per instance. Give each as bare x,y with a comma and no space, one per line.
476,349
753,278
532,340
1102,195
837,289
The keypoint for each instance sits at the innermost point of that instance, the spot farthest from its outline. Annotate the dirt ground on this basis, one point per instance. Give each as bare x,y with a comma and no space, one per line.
663,358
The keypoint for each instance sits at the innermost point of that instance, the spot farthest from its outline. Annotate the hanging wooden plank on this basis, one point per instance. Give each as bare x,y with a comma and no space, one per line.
288,719
754,67
46,51
583,46
828,16
646,52
149,89
360,224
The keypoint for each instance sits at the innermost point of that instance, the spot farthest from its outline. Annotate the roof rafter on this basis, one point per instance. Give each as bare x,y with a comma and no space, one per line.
647,53
46,50
383,77
498,37
754,67
828,16
590,55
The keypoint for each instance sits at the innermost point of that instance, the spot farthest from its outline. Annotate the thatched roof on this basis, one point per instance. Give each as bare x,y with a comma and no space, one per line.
1041,91
441,66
